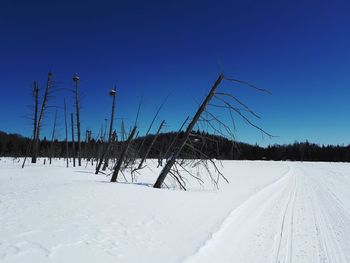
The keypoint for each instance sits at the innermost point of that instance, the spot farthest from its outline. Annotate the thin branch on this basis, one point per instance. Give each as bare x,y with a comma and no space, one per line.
248,84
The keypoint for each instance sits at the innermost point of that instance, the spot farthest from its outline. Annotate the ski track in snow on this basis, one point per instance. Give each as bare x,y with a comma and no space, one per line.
270,212
303,217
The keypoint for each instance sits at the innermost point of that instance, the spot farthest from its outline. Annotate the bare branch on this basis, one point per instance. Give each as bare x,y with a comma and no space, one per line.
248,84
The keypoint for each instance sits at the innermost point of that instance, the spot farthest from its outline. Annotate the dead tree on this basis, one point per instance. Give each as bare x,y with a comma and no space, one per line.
170,147
73,142
195,154
122,155
36,106
88,149
113,94
66,128
151,145
35,120
41,116
105,152
177,151
152,122
53,137
77,111
160,153
29,148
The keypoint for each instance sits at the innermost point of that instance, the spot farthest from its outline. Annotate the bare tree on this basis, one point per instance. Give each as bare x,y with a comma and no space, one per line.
73,142
77,110
66,128
41,116
112,93
35,119
151,145
152,122
53,137
36,106
195,156
105,152
122,155
177,151
29,147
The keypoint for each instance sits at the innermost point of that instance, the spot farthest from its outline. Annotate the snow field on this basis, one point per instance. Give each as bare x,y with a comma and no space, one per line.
270,212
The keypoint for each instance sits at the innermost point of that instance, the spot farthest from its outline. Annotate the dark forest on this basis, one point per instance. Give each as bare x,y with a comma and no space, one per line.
14,145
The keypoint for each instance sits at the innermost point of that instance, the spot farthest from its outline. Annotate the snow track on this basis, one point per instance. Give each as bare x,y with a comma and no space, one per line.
303,217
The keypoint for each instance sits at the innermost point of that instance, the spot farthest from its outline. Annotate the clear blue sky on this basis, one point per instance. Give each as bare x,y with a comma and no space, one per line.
299,50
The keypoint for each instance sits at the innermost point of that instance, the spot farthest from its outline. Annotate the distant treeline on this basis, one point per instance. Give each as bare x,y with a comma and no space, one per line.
14,145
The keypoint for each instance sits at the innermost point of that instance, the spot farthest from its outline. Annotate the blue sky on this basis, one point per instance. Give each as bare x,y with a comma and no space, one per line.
299,50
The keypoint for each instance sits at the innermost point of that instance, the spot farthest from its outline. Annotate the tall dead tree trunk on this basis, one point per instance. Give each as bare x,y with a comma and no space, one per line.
151,145
190,127
53,137
77,109
113,94
41,116
66,126
36,107
122,155
73,142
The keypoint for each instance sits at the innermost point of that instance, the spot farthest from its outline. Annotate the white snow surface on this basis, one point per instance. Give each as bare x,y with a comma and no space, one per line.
269,212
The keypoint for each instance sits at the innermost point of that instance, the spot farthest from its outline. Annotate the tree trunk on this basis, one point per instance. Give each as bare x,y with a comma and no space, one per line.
36,106
41,116
76,80
122,155
190,127
113,94
53,137
66,126
106,150
73,142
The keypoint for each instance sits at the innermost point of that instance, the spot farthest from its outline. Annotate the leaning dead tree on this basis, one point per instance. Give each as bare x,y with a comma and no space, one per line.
186,153
165,171
77,112
37,126
105,152
29,147
150,146
122,155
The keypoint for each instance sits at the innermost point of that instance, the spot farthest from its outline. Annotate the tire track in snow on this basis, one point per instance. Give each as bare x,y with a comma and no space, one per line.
243,219
299,218
331,217
284,252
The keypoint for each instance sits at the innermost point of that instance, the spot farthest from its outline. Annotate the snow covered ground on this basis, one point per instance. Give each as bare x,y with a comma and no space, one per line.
270,212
